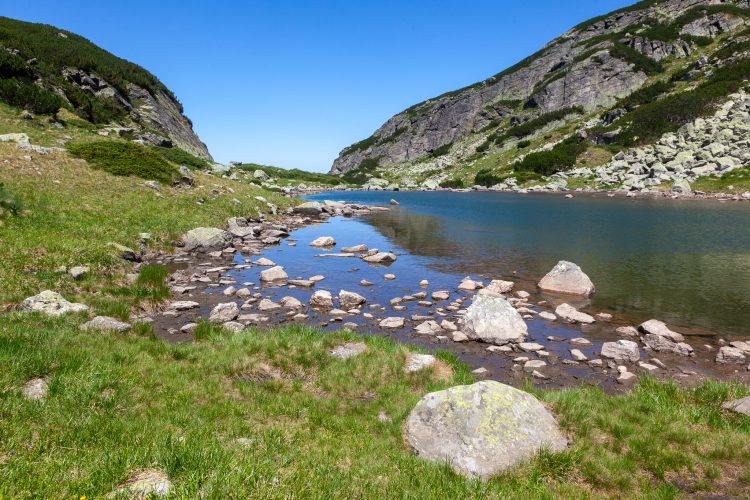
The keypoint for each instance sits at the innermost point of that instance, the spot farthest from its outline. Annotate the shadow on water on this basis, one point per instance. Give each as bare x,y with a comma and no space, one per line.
684,262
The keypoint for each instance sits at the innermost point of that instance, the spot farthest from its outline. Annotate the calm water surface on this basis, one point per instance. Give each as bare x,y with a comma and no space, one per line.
684,262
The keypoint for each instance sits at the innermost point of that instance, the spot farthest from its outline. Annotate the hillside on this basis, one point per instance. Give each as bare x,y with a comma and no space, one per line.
44,69
613,100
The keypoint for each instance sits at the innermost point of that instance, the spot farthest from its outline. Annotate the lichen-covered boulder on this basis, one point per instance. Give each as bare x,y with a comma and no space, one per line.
567,278
481,429
204,239
106,324
52,304
493,320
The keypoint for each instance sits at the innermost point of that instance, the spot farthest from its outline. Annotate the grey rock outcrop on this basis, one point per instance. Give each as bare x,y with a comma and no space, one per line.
481,429
206,239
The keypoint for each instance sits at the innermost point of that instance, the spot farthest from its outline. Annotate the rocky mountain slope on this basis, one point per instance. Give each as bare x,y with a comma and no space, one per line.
608,85
44,69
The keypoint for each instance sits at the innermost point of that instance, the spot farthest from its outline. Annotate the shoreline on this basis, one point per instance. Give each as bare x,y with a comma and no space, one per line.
205,277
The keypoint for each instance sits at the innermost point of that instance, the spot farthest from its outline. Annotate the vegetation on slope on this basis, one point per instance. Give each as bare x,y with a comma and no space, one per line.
294,174
125,158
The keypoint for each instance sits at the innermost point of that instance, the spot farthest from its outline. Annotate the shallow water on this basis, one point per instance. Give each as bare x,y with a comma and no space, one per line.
684,262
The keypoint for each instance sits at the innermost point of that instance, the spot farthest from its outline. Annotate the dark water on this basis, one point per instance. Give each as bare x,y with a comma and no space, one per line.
684,262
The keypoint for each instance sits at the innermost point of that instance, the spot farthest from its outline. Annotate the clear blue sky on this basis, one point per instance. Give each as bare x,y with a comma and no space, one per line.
291,83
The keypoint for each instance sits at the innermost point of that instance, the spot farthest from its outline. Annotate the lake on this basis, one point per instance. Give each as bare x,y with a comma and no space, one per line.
685,262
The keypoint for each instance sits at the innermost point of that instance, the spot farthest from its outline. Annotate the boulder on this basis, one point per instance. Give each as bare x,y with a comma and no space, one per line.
350,300
52,304
497,287
738,405
290,302
656,327
573,315
380,258
311,208
429,327
622,350
348,350
222,313
493,320
567,278
321,299
323,241
206,239
105,323
481,429
273,274
730,355
392,322
664,344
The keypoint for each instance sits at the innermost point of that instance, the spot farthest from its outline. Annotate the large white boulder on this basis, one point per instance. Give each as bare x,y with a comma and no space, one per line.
275,273
493,320
52,304
205,239
481,429
567,278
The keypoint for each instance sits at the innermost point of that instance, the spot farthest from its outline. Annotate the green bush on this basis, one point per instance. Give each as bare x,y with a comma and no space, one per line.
562,157
486,178
442,150
359,175
12,65
527,128
452,184
123,158
181,157
9,202
29,96
638,60
90,107
523,144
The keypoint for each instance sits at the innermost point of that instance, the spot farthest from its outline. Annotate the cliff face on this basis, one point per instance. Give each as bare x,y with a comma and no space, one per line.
592,66
42,63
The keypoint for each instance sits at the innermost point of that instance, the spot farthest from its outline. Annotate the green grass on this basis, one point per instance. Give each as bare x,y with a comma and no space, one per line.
293,174
561,157
125,159
736,181
74,211
309,423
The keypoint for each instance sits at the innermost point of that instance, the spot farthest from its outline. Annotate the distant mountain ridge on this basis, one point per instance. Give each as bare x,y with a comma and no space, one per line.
44,68
583,79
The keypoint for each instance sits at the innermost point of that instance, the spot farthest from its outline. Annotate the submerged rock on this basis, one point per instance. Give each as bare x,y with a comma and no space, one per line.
481,429
567,278
493,320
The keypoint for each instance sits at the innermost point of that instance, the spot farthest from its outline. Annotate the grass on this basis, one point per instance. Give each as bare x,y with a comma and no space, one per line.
309,423
294,174
736,181
75,211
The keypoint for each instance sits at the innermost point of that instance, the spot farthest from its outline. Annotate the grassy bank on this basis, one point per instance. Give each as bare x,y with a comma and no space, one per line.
270,414
73,212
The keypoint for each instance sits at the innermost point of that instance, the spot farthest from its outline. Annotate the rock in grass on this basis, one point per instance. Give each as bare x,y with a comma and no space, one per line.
738,405
493,320
481,429
418,362
222,313
205,239
78,272
145,484
625,350
107,324
273,274
35,389
52,304
567,278
348,350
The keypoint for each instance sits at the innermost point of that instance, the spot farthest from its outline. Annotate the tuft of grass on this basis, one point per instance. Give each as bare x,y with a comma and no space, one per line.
125,159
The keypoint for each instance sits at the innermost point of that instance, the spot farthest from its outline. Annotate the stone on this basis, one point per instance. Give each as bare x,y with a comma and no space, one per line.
321,299
738,405
349,300
52,304
323,242
424,283
311,208
317,278
229,291
626,377
107,324
624,350
145,484
493,320
221,313
627,331
273,274
348,350
681,186
468,285
380,258
448,326
573,315
730,355
533,364
183,305
577,355
648,366
481,429
290,302
35,389
302,283
264,262
664,344
206,239
267,305
355,249
656,327
78,272
189,327
418,362
441,295
392,322
233,326
580,341
603,317
389,276
460,337
546,315
530,346
429,327
567,278
125,253
497,287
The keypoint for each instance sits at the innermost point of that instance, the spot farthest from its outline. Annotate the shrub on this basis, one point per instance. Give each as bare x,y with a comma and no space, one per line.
486,178
293,174
123,158
523,144
531,126
452,184
9,202
562,157
359,175
442,150
12,65
362,145
29,96
181,157
638,60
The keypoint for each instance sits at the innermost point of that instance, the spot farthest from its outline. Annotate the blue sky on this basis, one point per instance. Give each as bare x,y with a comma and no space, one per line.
291,83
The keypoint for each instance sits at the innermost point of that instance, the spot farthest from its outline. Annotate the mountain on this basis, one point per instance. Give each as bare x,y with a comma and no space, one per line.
44,69
616,82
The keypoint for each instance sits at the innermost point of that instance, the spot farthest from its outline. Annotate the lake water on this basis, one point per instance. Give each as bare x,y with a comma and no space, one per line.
684,262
